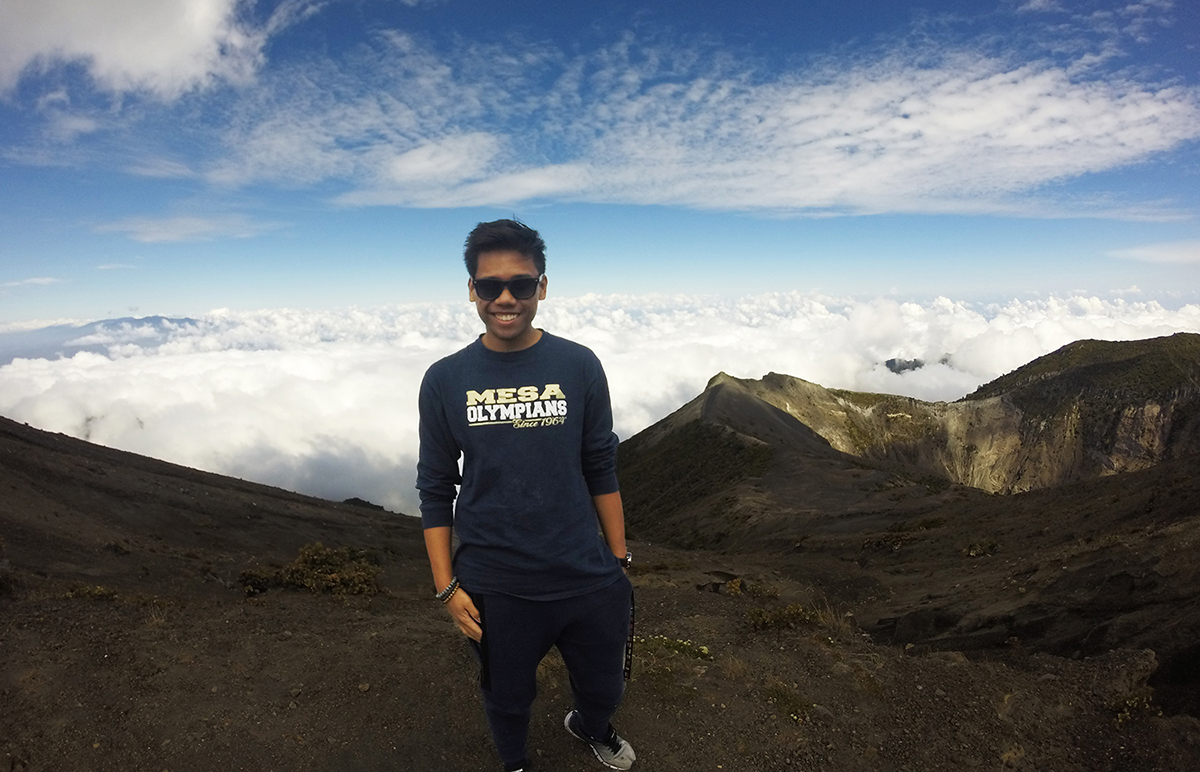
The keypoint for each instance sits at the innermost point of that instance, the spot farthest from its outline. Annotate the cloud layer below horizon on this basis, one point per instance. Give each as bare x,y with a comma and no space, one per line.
325,402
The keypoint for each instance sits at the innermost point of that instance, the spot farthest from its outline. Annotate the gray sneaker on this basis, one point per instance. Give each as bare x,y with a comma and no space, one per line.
612,751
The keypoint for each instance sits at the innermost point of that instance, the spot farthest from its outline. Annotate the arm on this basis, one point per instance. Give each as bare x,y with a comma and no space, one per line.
612,521
437,474
461,607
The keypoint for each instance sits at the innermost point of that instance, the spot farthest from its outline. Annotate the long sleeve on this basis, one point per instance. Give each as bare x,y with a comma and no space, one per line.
599,451
437,465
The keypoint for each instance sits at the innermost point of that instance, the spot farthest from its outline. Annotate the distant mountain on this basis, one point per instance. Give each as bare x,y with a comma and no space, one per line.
889,504
67,340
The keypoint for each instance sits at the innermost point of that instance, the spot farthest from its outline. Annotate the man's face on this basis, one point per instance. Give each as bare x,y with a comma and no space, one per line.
508,320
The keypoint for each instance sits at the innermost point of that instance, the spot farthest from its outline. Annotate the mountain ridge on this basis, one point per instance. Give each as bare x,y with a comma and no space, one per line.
1091,408
1087,560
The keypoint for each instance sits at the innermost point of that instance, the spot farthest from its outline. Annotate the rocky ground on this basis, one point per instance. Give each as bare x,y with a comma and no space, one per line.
128,642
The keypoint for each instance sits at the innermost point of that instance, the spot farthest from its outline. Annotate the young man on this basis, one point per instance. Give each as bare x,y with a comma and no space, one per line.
529,414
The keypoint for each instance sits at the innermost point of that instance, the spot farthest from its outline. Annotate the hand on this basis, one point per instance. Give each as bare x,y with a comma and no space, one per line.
465,615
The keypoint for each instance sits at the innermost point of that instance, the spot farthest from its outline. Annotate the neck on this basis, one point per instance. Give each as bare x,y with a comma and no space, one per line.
493,343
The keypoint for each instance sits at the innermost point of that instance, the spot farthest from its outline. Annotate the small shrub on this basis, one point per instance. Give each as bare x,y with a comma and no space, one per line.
319,569
738,587
92,592
787,700
820,614
981,549
1138,703
786,618
761,591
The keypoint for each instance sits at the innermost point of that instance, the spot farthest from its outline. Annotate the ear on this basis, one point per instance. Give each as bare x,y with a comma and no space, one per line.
542,291
471,290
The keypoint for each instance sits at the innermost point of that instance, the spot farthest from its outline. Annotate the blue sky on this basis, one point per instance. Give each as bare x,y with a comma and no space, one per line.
178,156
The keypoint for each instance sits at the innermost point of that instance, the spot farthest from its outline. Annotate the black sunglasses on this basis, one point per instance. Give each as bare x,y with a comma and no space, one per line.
521,288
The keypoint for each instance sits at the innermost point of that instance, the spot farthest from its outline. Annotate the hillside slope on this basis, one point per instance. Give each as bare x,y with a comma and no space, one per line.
128,642
1077,569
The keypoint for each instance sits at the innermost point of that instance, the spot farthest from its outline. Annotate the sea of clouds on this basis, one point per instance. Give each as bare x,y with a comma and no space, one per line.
324,402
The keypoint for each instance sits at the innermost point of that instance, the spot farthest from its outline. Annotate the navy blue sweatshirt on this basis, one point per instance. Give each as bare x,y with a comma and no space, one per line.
534,430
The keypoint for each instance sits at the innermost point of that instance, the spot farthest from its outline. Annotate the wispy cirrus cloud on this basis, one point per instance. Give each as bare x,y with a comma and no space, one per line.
152,230
916,127
1179,252
36,281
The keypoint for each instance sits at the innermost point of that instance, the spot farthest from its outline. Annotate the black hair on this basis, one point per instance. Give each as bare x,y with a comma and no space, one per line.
503,235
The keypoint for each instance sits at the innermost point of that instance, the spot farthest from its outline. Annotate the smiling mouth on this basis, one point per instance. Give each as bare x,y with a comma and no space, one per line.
506,317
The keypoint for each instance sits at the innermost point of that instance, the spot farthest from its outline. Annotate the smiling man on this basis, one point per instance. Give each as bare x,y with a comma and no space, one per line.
541,554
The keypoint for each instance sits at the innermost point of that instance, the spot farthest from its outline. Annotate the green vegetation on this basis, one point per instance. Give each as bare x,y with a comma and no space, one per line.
661,645
319,569
1085,386
786,699
668,660
1137,367
1114,372
791,616
820,614
1139,703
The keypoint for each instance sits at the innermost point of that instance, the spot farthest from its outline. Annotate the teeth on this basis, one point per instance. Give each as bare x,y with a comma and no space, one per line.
506,317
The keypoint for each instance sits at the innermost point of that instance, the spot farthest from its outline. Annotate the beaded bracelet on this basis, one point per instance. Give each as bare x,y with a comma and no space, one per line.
447,593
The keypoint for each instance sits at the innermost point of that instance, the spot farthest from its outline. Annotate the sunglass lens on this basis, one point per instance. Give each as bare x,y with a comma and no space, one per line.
490,289
523,289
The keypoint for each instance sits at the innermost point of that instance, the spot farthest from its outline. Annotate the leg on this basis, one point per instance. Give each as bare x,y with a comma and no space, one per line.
593,649
515,639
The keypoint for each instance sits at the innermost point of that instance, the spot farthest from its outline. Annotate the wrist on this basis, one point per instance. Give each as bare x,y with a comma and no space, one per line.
446,593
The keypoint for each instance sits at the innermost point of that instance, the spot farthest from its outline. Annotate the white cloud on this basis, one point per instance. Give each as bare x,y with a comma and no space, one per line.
452,159
324,402
161,46
1178,252
152,230
922,127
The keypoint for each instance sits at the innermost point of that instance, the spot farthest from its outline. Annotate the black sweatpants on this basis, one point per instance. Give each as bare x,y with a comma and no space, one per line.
590,632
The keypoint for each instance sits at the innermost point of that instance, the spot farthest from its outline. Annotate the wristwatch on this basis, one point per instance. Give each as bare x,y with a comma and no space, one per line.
627,560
